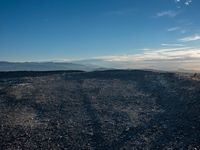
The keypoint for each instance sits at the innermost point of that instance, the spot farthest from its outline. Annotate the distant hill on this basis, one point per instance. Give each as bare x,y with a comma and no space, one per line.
42,66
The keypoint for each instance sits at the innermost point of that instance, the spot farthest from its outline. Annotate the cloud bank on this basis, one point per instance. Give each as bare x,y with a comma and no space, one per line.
170,59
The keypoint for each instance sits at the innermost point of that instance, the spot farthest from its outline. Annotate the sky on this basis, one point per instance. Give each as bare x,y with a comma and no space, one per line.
111,30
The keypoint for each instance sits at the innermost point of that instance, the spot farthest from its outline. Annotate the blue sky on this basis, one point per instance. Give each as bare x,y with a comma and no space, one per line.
44,30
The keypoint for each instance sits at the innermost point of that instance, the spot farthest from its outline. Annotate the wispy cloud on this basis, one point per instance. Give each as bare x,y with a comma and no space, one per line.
172,45
190,38
177,1
145,49
173,29
188,2
185,2
169,13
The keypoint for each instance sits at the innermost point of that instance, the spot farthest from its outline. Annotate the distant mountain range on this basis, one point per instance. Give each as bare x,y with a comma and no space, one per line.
87,65
43,66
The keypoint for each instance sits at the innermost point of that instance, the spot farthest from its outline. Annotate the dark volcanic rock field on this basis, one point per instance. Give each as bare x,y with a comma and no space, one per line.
103,110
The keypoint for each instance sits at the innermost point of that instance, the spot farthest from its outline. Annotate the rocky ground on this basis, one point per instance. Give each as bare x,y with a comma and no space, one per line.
103,110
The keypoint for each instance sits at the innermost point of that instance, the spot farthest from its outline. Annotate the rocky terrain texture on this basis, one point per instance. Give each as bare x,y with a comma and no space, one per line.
101,110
